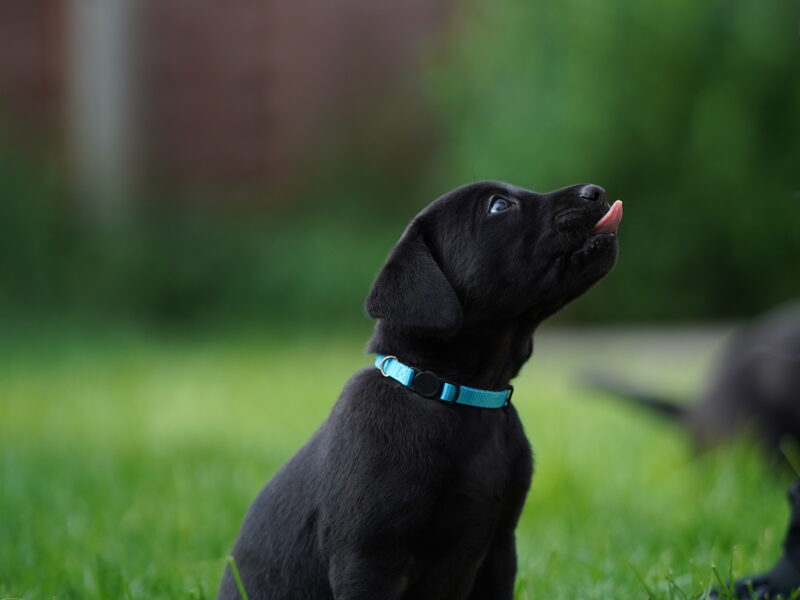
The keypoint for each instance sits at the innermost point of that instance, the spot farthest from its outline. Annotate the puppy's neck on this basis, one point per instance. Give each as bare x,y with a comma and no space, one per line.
481,357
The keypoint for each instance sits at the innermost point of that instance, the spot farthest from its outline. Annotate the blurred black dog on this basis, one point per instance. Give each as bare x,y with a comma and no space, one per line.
405,491
755,386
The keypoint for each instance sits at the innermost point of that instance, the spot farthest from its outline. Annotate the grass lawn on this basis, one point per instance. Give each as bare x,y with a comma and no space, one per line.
127,463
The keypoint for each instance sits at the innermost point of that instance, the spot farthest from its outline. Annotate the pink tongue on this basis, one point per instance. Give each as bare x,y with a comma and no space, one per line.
610,222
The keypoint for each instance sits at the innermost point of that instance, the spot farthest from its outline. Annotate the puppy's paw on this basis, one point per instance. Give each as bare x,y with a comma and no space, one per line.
758,587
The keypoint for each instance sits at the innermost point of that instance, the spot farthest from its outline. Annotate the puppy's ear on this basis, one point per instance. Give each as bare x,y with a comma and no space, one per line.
411,291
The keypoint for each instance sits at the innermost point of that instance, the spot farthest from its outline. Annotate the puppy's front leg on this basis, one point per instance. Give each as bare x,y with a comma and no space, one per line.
495,579
355,576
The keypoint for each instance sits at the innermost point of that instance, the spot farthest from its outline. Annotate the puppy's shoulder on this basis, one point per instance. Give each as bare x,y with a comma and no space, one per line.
374,396
373,405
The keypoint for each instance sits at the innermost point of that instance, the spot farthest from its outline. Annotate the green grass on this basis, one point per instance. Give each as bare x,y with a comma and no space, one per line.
127,463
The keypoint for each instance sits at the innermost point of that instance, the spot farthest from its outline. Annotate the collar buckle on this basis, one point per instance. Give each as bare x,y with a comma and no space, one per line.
427,384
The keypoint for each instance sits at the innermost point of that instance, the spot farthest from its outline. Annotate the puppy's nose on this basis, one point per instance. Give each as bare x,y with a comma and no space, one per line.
592,192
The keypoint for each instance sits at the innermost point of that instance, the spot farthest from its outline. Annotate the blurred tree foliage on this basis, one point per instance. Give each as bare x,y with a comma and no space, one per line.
688,111
177,265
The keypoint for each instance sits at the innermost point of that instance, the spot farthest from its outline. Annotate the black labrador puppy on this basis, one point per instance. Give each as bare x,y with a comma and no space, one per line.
754,387
413,485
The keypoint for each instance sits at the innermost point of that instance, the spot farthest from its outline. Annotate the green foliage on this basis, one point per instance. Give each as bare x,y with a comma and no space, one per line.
688,111
30,230
127,463
179,265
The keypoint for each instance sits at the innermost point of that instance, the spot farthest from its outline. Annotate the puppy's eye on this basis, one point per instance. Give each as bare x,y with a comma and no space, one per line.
499,204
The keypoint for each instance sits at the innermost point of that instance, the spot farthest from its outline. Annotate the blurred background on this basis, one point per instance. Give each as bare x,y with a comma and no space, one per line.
177,163
195,196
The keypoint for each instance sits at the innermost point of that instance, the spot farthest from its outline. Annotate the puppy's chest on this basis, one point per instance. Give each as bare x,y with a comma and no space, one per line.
492,465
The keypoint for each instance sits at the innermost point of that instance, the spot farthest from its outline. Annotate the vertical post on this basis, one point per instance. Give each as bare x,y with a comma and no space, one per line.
101,106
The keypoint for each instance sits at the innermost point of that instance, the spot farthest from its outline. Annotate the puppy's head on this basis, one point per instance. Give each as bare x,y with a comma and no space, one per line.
490,252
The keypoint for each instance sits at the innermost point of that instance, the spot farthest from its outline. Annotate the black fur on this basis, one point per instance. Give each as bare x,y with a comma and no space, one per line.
399,496
754,387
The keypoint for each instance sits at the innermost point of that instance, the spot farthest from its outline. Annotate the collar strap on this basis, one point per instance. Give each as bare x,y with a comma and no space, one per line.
430,385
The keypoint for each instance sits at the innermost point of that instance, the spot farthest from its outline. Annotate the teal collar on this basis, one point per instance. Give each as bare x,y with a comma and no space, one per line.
430,385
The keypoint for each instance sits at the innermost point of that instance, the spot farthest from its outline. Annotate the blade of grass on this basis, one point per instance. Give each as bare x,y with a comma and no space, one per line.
751,590
724,587
706,595
673,586
237,578
650,594
791,451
